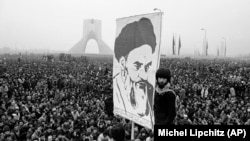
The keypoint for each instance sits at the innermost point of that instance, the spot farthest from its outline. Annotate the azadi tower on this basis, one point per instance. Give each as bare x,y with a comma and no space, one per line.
91,30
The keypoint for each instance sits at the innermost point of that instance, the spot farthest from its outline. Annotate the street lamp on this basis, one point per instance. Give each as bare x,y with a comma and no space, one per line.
157,9
225,53
205,41
205,32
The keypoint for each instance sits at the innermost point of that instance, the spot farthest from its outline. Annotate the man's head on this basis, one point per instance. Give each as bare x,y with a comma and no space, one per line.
133,36
163,77
134,48
117,133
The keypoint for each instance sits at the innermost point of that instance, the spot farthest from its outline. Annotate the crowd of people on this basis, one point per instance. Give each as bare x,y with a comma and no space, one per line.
64,100
211,92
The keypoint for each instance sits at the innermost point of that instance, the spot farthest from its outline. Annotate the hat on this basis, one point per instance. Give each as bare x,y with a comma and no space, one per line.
163,73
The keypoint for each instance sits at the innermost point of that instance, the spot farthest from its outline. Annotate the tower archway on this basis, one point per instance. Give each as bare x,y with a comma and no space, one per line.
92,47
91,30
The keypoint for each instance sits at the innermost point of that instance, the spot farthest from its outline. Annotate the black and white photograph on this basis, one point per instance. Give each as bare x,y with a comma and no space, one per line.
124,70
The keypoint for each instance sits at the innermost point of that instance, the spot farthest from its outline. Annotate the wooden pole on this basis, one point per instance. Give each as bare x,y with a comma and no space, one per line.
133,131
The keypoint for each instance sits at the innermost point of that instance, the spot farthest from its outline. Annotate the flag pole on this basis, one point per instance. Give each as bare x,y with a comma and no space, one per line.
179,45
133,131
173,45
158,65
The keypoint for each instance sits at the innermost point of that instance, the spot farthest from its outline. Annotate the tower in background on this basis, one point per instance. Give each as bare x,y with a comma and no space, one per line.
91,30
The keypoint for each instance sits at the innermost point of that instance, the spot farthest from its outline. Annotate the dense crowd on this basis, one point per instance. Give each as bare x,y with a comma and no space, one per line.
64,99
211,92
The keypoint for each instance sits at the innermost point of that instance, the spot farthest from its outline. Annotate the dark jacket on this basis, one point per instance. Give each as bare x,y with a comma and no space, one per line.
164,106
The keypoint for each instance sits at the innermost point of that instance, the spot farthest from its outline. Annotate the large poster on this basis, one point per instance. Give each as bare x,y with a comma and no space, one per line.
136,59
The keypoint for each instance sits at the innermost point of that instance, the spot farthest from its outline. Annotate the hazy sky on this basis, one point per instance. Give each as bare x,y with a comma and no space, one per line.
58,24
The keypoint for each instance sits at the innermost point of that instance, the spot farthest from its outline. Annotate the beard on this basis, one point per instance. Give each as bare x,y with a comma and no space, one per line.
161,85
138,97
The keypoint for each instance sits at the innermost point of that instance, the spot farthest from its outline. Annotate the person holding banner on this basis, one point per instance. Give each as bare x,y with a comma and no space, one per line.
134,48
165,99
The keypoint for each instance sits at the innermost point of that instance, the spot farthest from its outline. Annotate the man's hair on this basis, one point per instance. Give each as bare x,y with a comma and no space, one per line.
117,132
134,35
163,73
